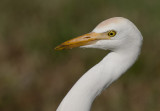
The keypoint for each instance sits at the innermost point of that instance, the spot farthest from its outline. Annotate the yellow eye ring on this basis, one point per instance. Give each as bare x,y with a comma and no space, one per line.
111,33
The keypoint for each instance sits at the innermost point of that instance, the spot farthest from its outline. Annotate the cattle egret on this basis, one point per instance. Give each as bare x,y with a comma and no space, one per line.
123,39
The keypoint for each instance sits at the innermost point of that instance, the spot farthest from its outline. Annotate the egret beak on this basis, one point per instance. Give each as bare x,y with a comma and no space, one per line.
85,39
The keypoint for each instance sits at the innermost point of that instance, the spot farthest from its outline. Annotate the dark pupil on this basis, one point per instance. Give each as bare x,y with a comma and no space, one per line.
111,33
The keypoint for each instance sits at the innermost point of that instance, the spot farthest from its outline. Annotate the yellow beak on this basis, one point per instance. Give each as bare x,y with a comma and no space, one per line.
85,39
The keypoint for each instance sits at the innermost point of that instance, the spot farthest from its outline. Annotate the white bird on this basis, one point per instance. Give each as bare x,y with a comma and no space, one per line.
124,40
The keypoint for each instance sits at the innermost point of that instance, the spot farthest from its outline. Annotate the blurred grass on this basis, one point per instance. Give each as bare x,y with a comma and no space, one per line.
34,77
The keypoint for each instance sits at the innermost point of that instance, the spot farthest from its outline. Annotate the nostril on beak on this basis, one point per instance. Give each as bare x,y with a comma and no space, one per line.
87,37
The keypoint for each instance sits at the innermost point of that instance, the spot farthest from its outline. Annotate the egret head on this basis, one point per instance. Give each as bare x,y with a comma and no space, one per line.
114,34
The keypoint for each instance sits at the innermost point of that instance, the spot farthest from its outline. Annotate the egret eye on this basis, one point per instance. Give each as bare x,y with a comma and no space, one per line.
111,33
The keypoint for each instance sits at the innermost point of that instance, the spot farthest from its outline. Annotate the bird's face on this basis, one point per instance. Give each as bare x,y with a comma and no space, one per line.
113,34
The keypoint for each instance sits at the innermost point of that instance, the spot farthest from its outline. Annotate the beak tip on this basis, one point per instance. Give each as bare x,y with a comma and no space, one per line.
58,48
61,47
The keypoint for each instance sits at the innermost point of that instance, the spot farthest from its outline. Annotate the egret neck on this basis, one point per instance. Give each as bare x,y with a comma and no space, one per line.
83,93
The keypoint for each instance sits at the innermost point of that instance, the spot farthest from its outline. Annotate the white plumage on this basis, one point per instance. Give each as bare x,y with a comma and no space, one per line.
124,40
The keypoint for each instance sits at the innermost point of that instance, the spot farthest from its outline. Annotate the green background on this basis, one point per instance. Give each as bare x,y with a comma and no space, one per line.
34,77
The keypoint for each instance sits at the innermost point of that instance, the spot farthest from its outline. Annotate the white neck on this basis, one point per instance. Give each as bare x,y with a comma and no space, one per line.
83,93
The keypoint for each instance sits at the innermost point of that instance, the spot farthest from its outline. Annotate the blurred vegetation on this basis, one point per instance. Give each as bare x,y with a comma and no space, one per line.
34,77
